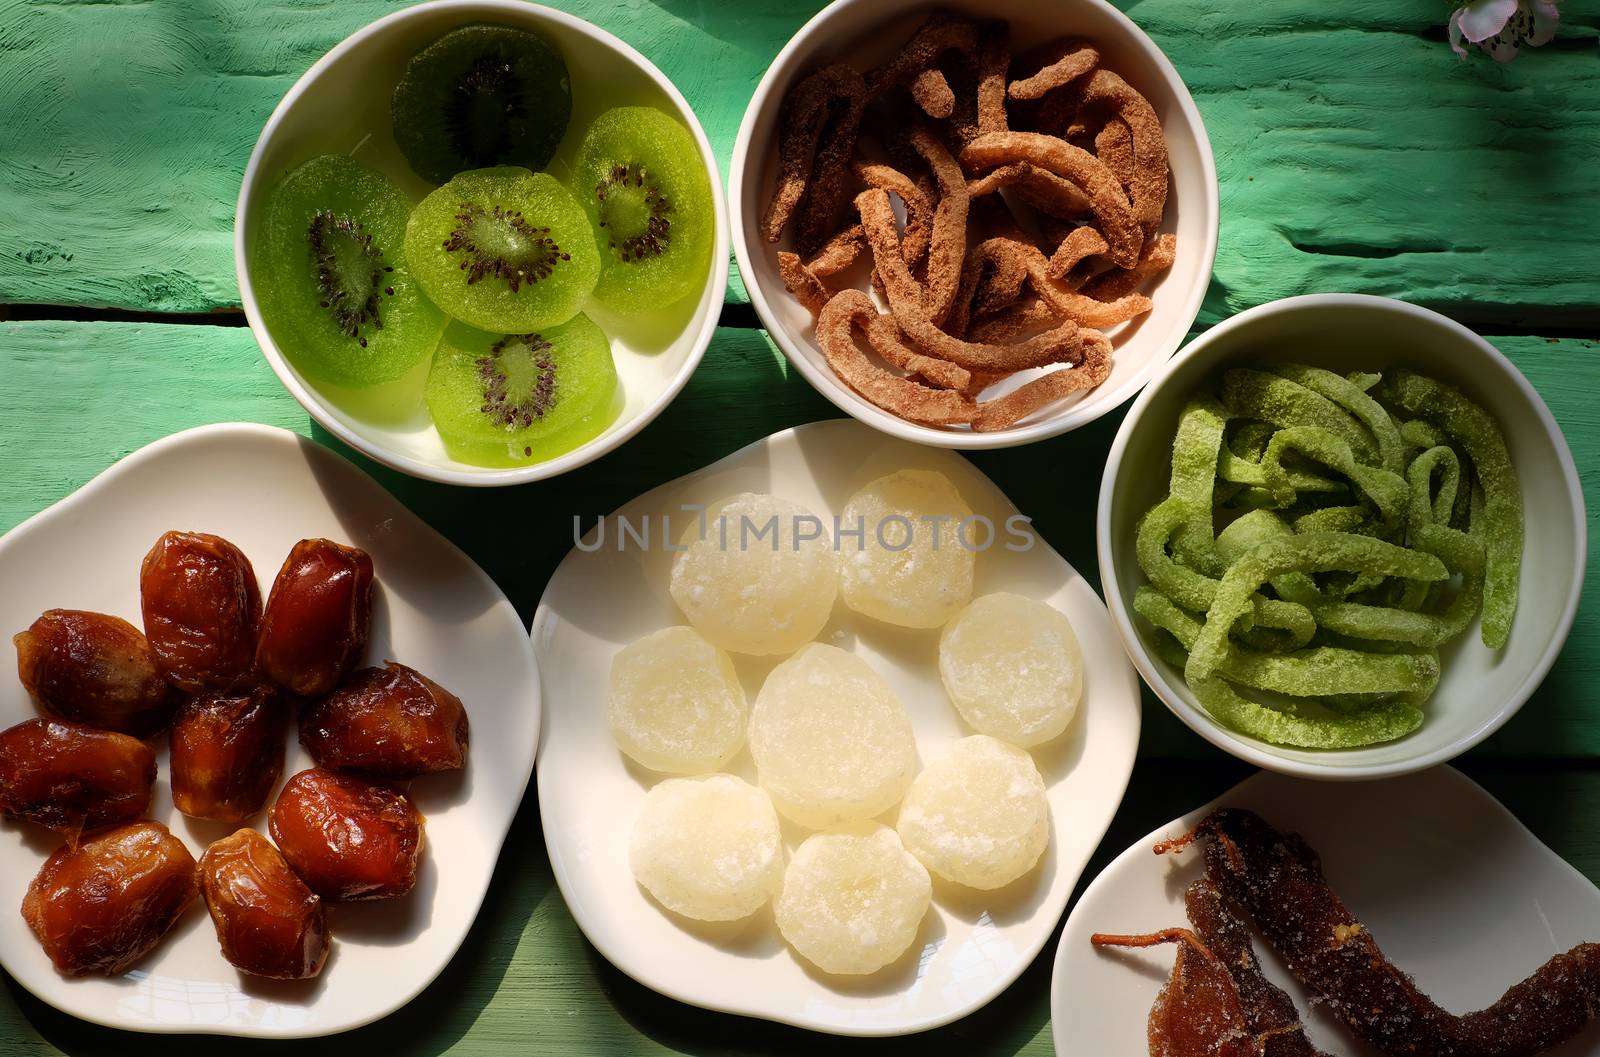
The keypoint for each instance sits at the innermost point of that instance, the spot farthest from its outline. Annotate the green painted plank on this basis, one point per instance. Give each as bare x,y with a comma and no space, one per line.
1354,150
80,395
527,984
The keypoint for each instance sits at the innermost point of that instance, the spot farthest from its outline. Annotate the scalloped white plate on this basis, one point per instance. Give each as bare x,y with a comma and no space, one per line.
265,488
973,945
1459,893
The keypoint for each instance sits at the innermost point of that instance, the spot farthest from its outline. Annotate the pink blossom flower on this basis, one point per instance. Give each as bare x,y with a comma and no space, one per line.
1499,27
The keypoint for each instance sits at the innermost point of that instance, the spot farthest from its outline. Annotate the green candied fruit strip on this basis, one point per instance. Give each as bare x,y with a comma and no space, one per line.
1358,519
1388,491
1185,586
1426,506
1475,430
1249,439
1194,590
1256,527
1316,672
1383,623
1419,434
1354,399
1194,478
1281,484
1388,721
1309,553
1363,380
1257,394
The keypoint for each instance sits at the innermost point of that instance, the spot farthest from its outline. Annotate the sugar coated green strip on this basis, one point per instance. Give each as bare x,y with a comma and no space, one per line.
1194,479
1388,491
1315,672
1475,430
1426,505
1257,394
1354,399
1385,722
1312,552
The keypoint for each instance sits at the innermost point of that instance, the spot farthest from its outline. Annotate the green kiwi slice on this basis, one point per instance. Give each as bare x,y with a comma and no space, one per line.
481,96
330,275
512,399
639,177
503,250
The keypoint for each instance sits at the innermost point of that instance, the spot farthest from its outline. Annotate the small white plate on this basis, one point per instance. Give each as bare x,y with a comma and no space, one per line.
264,489
1458,892
973,944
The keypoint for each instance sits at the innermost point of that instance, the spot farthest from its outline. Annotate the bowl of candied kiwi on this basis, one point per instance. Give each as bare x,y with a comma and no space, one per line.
482,242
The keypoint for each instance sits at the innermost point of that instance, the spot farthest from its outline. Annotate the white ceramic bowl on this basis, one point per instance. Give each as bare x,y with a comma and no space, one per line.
1480,689
865,32
341,105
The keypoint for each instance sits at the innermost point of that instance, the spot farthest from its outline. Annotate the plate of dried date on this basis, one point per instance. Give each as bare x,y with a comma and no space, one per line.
178,620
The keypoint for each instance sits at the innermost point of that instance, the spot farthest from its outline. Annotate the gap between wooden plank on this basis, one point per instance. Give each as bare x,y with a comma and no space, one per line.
734,316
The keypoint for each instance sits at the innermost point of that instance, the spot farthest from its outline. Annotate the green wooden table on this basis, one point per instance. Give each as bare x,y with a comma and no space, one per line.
1355,152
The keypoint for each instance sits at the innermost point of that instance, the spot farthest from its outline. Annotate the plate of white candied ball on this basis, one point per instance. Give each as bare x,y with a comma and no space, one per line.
829,734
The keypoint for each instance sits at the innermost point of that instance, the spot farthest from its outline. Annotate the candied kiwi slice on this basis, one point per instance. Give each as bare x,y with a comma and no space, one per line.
512,399
330,275
639,177
479,96
503,250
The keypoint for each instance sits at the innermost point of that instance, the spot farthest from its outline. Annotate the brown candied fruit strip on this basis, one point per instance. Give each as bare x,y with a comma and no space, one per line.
919,206
949,246
994,59
838,253
899,396
1043,190
1078,246
1113,214
1113,144
802,282
1277,879
1197,1013
808,157
1147,184
1062,345
1078,307
1003,326
932,93
1006,411
1058,64
1269,1013
939,34
1156,258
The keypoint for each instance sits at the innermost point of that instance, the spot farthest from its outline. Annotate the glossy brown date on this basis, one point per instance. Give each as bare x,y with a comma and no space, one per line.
201,607
317,617
348,837
70,777
95,669
227,753
391,721
268,922
101,907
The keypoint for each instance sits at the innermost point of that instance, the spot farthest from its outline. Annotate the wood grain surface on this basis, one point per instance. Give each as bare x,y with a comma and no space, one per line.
1354,152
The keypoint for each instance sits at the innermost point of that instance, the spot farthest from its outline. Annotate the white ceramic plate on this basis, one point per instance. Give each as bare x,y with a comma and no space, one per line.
973,944
433,609
1458,892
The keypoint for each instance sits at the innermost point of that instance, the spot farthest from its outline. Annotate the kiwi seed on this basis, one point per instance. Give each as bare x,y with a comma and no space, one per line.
349,272
509,362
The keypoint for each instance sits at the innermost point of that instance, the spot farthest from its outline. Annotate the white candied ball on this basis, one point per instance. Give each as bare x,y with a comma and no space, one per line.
707,847
830,739
979,816
761,579
853,899
1013,668
909,567
675,703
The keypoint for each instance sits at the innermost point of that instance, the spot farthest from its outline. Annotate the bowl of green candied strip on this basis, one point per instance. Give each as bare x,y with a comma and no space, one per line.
1342,537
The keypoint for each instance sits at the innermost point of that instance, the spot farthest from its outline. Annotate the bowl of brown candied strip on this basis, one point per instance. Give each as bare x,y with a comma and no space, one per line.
974,227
